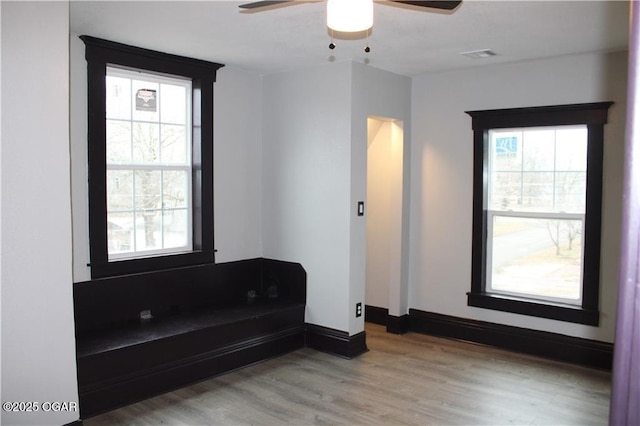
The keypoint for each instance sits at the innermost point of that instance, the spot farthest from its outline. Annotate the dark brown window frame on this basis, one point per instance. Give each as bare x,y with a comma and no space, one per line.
594,116
99,54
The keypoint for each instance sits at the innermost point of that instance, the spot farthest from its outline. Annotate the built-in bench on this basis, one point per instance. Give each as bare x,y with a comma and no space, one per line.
145,334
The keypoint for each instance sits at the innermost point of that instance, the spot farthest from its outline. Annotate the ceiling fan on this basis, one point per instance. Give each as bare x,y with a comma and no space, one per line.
433,4
352,15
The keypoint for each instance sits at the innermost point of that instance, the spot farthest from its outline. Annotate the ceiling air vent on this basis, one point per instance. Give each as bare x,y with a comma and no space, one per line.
478,54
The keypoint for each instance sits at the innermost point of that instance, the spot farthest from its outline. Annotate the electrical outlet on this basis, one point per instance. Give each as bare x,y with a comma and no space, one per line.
358,309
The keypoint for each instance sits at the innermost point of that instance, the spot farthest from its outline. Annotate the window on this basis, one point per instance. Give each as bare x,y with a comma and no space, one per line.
150,136
537,208
148,164
536,203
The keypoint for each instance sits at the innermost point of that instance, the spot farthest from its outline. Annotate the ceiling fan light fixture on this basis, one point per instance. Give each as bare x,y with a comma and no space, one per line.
349,15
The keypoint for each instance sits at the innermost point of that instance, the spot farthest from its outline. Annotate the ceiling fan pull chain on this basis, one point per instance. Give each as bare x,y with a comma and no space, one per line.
367,49
332,44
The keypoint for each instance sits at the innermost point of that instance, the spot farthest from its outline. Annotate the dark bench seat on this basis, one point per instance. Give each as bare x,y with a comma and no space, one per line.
122,359
199,320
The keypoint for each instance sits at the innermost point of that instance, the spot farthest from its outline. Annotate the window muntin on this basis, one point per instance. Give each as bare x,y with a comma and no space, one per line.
149,168
536,206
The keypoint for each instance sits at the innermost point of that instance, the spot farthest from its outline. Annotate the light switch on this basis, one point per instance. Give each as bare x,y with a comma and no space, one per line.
360,208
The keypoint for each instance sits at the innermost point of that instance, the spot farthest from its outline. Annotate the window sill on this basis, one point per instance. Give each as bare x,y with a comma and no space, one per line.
524,306
150,264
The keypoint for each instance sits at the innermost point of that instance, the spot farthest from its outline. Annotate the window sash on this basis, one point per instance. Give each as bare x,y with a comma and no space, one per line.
133,166
549,179
188,208
491,214
524,147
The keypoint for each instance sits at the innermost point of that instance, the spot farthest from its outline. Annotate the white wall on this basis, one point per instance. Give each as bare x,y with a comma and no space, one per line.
38,346
442,178
382,94
315,172
79,173
237,163
306,174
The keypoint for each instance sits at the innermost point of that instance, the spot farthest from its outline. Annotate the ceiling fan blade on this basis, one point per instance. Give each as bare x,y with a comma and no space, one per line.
433,4
263,3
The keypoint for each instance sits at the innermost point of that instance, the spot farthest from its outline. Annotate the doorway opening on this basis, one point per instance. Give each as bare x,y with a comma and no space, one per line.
383,289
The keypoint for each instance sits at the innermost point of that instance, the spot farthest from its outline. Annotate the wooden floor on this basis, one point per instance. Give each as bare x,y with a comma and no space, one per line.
411,379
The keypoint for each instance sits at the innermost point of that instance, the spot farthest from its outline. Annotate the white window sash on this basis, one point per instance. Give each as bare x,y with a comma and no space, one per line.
528,215
187,167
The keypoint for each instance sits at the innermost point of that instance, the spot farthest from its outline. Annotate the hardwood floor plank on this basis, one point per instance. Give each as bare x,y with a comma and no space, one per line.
410,379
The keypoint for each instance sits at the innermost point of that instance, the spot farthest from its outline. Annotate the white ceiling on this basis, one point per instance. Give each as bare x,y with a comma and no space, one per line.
404,40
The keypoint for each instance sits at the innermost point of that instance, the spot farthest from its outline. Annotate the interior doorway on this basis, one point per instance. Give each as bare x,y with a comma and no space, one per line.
385,147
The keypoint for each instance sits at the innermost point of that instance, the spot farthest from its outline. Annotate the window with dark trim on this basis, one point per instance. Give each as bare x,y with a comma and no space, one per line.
537,208
178,217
